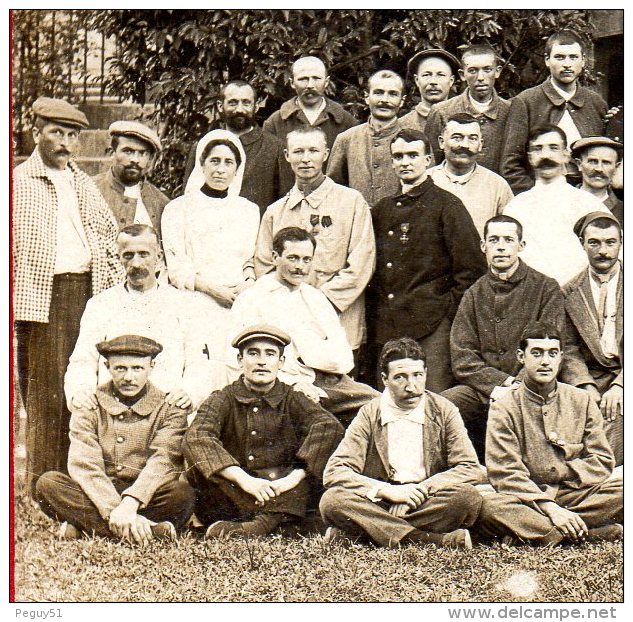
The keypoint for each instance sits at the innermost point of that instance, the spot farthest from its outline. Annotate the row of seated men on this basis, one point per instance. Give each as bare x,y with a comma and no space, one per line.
259,452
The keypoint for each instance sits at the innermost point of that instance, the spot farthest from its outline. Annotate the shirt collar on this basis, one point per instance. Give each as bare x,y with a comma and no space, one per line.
244,395
518,272
116,184
390,412
423,109
391,128
614,273
334,110
535,397
553,94
457,179
314,199
144,407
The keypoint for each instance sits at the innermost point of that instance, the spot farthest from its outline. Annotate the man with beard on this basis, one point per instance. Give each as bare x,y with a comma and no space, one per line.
433,73
63,251
140,306
480,70
483,193
131,197
360,156
310,106
549,210
267,175
598,158
594,304
559,100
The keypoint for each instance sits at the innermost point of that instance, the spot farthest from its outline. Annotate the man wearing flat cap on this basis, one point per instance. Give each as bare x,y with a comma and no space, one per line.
124,186
598,158
125,457
433,72
64,251
594,306
257,448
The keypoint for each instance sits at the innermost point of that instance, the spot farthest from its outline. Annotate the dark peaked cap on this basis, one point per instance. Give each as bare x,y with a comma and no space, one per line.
261,331
585,221
133,345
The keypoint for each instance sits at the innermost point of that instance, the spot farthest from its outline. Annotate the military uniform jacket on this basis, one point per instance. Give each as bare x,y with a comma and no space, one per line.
427,256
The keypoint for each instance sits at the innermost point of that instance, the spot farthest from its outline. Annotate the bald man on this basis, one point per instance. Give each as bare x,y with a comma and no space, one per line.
310,106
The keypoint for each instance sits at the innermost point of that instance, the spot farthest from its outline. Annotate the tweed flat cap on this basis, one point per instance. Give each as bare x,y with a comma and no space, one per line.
578,146
414,61
261,331
585,221
134,345
136,130
60,111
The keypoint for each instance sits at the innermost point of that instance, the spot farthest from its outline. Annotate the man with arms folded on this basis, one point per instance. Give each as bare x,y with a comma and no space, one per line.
483,193
338,217
487,327
319,357
360,156
257,448
549,210
480,70
427,257
547,455
594,305
125,456
405,470
142,306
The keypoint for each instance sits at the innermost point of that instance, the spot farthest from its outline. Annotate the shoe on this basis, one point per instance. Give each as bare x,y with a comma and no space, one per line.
224,529
333,535
68,532
606,533
459,539
164,531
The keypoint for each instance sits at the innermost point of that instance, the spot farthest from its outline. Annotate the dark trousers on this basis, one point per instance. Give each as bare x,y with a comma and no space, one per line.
43,353
448,509
219,499
614,430
473,407
63,499
503,515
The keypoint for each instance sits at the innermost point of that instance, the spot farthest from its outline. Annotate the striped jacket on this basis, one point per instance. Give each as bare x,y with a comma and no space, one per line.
35,235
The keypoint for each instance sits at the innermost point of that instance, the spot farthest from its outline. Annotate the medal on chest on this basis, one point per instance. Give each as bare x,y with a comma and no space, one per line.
405,227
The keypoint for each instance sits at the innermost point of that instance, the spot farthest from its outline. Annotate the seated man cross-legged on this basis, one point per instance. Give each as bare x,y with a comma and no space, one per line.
125,458
405,470
547,455
257,448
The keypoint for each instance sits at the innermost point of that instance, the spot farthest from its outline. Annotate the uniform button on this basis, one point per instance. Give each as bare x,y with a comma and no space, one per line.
121,417
376,144
119,439
389,232
251,458
502,352
119,467
497,320
553,469
390,296
398,204
376,165
271,475
389,264
253,433
255,409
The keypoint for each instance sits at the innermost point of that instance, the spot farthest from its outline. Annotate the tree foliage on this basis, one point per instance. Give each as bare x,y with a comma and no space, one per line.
178,59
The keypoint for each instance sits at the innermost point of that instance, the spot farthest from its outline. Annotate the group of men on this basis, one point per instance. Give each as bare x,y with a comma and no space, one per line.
393,252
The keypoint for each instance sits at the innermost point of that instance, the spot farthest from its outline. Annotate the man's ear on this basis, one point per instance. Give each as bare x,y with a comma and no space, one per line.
239,358
482,246
440,141
152,363
36,135
384,377
462,76
286,155
520,356
107,364
220,105
521,246
327,154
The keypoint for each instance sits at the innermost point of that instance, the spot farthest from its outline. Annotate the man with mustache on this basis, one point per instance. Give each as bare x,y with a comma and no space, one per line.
549,210
483,192
490,319
267,175
405,470
125,187
559,100
310,106
125,456
257,448
319,357
598,158
340,220
594,304
433,72
480,69
547,456
143,306
64,251
360,156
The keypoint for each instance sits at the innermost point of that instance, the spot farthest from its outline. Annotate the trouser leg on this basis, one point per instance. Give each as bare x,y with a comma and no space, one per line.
436,347
473,407
597,505
173,501
63,499
344,395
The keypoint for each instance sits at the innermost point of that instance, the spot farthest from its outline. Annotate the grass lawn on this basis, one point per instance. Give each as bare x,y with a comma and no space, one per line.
302,569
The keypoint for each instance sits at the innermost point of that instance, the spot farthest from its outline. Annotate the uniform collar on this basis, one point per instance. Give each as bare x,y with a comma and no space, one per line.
535,397
334,110
118,185
144,407
391,128
518,275
245,396
558,100
37,168
491,112
419,190
251,136
314,199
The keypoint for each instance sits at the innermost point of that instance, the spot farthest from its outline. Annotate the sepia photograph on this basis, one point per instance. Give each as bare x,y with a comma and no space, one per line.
317,306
